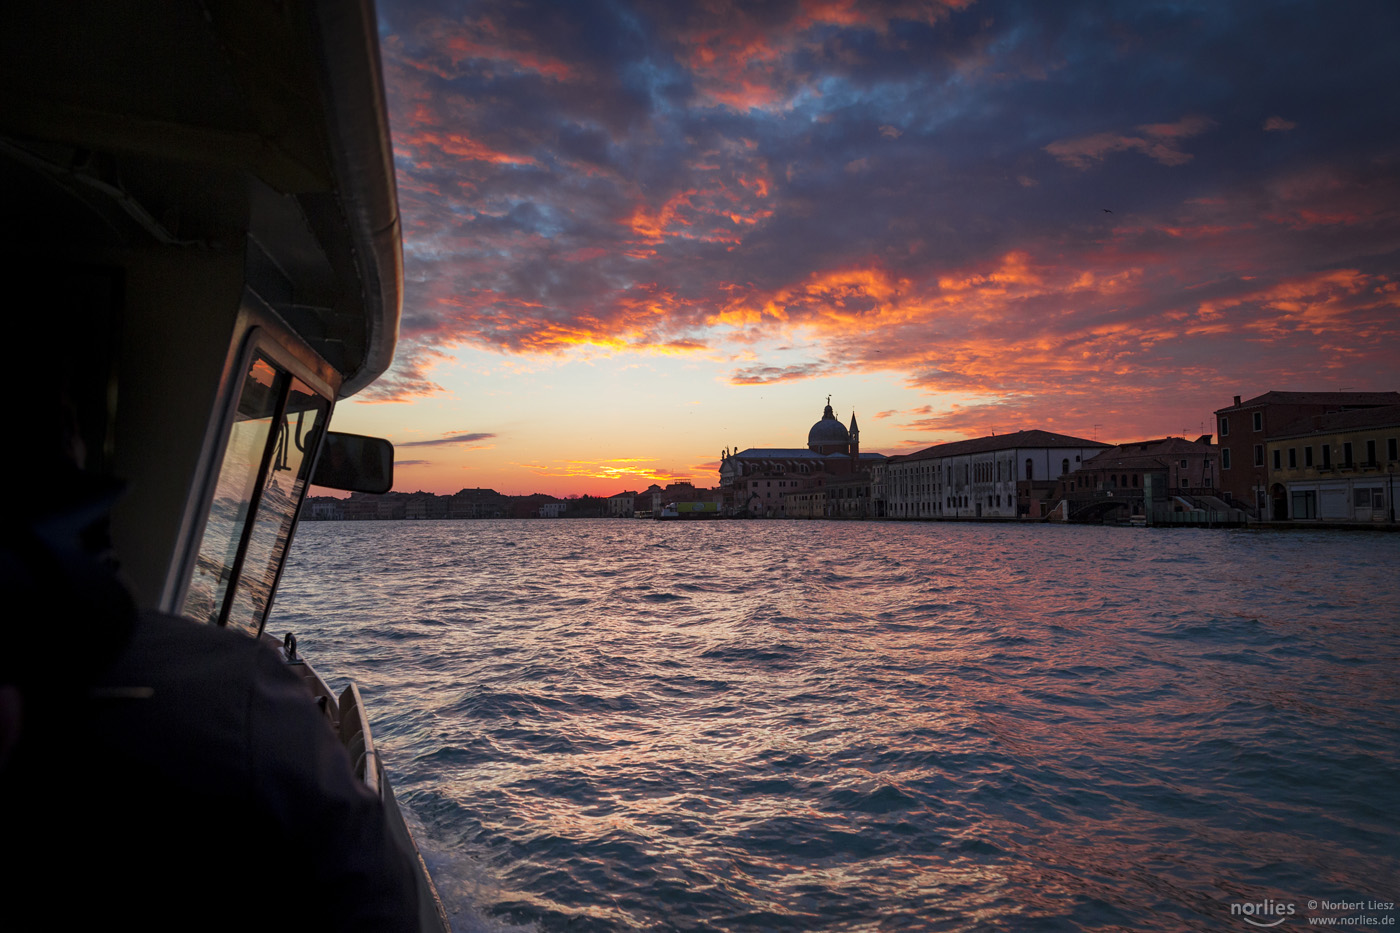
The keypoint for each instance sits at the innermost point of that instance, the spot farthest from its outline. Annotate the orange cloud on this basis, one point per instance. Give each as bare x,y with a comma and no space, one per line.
708,214
1340,300
641,471
459,145
480,43
740,55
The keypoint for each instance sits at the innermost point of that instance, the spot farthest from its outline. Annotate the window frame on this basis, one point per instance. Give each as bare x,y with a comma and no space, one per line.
294,362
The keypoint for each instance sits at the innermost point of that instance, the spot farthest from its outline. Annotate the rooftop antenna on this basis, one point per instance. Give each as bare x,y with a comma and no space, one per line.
1096,431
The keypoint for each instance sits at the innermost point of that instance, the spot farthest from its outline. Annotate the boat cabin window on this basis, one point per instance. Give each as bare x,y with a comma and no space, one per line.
271,446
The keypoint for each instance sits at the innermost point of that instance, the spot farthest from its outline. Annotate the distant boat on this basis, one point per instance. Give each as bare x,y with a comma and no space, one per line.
688,510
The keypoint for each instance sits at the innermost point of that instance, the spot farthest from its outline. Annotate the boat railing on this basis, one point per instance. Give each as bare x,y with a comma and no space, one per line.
356,737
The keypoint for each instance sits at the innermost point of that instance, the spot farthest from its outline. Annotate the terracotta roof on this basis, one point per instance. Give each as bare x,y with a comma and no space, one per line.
1317,398
1332,422
980,445
1145,453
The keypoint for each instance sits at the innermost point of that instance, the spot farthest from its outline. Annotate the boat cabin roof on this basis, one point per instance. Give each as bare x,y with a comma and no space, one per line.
203,192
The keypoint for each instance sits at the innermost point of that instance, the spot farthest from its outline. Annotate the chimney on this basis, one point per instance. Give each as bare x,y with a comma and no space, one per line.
1237,401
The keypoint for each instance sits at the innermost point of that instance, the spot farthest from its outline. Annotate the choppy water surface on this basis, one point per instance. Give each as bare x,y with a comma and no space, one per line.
628,725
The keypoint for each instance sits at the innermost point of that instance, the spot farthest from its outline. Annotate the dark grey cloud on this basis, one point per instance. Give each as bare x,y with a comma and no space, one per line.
763,375
451,439
631,171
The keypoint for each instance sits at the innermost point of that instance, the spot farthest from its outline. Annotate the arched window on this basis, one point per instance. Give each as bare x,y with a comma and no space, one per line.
1030,468
1064,466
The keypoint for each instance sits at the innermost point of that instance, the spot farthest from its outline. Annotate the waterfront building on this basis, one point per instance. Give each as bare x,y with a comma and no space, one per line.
1115,479
1000,476
477,503
878,493
655,498
622,505
424,505
809,501
1338,467
1188,467
1244,429
322,508
649,500
826,496
763,495
848,496
757,478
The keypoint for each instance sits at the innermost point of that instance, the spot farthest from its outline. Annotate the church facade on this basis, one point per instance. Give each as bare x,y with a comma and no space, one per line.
757,480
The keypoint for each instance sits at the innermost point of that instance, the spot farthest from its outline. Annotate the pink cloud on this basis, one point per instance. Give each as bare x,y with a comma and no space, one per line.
1158,141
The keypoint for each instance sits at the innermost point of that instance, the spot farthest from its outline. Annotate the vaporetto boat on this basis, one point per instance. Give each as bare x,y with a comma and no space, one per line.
203,193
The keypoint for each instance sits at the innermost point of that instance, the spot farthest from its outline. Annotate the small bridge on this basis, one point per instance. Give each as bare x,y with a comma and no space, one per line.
1099,508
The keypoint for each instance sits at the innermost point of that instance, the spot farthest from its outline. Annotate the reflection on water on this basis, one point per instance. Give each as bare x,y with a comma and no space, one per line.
849,726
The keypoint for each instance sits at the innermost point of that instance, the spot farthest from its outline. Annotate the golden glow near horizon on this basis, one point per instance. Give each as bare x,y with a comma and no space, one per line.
621,260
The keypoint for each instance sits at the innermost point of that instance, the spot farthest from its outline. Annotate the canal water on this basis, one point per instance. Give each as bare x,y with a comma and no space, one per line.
741,726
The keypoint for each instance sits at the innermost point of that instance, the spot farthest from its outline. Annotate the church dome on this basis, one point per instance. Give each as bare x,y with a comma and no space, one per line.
828,432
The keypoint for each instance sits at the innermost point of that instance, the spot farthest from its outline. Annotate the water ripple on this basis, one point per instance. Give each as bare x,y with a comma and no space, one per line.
738,726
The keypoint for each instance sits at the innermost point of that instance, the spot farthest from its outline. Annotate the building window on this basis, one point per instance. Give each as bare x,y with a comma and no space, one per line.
1327,456
1293,458
1064,466
1224,427
1390,449
1224,458
1258,421
1346,453
1278,459
1371,453
1030,468
1307,456
1258,454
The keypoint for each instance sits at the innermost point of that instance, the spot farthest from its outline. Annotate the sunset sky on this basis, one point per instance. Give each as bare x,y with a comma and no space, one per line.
637,233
